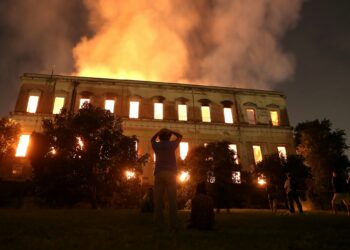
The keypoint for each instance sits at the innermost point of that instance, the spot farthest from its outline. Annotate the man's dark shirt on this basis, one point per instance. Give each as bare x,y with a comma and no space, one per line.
339,184
165,155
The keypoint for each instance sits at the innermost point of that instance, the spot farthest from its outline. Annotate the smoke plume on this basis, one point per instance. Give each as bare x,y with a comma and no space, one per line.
216,42
37,36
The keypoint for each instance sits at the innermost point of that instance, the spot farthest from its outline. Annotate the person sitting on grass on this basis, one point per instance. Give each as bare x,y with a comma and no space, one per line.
202,211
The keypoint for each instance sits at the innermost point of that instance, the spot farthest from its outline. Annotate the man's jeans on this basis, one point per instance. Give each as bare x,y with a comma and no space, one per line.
293,196
165,182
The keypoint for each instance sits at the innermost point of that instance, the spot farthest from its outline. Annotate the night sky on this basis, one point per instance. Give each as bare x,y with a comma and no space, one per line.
320,43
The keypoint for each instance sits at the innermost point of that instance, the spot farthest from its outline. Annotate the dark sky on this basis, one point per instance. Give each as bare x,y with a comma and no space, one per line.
320,44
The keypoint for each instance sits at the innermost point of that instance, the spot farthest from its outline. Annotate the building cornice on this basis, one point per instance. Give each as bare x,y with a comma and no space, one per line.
183,86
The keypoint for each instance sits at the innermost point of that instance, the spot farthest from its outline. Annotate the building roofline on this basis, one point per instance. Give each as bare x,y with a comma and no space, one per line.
141,82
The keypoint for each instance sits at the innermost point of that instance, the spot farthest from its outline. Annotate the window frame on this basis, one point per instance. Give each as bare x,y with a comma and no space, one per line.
54,111
254,112
158,116
278,118
256,161
30,109
132,115
113,107
178,112
209,113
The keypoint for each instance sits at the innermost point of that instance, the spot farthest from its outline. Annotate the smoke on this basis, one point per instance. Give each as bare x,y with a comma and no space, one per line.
37,36
221,42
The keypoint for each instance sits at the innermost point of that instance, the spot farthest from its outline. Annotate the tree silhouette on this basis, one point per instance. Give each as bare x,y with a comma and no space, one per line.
323,150
9,134
82,157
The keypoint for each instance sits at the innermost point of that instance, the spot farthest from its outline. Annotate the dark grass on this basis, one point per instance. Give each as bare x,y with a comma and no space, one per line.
128,229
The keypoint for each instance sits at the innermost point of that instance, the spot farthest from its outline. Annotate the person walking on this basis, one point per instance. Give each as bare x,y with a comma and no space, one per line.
165,175
340,189
292,194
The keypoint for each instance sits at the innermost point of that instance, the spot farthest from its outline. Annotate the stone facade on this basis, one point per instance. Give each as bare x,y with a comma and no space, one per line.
243,132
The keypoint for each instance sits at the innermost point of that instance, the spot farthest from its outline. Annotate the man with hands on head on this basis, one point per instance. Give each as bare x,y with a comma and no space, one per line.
165,175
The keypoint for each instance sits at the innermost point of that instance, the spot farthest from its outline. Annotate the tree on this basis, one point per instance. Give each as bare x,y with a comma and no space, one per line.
82,157
213,161
275,168
323,150
9,134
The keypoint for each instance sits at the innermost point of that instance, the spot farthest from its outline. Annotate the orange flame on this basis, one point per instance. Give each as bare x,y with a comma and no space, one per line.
206,41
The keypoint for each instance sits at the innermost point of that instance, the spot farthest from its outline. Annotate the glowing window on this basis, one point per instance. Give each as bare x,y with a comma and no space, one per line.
82,101
205,114
236,177
32,103
183,150
134,109
182,112
282,152
58,105
158,111
228,115
22,146
274,118
257,154
251,116
109,105
233,147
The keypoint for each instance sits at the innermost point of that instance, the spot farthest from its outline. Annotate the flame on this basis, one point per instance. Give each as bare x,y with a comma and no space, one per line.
133,41
221,41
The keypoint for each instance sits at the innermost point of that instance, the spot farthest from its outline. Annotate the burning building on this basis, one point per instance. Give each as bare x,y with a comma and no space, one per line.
255,122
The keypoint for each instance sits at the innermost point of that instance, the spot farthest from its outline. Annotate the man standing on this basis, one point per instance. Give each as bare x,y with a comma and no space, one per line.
292,194
165,175
340,189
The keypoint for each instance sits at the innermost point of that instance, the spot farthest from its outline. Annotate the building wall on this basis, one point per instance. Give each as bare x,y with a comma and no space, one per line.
196,132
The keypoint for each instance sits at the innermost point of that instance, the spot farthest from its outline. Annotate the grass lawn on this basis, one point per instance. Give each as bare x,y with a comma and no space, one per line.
128,229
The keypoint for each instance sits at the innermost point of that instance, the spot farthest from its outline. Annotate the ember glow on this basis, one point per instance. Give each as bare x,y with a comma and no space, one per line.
261,180
130,174
184,176
210,41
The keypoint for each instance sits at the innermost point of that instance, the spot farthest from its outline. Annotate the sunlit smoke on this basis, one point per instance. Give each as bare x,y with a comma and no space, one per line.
229,42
